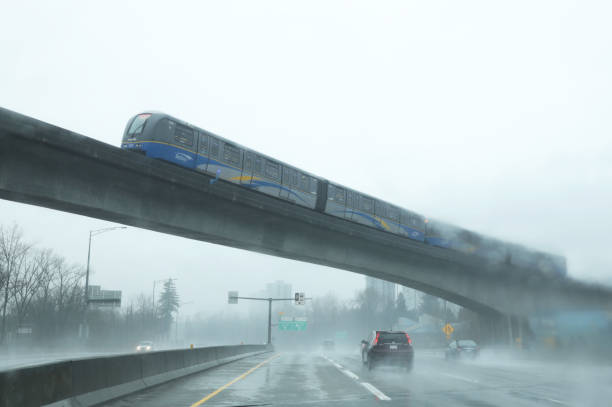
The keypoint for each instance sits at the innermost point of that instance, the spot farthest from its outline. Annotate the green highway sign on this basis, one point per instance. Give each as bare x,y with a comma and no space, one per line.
292,326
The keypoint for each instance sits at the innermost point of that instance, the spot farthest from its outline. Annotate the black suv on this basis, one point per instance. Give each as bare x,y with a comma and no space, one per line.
388,347
463,348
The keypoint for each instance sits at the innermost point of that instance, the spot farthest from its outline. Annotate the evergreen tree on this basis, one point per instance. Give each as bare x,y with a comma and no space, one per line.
431,306
168,303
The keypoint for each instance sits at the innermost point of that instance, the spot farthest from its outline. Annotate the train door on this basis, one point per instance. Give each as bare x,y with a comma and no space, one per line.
231,158
202,156
214,156
350,202
336,201
289,174
247,168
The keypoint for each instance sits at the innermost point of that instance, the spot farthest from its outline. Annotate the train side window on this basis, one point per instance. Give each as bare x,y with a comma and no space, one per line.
248,161
162,130
380,209
405,218
314,184
231,154
272,170
258,168
367,204
214,147
339,195
287,172
304,182
204,144
331,190
183,135
393,213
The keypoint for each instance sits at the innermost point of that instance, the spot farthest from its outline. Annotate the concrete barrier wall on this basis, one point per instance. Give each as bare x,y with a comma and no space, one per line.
87,382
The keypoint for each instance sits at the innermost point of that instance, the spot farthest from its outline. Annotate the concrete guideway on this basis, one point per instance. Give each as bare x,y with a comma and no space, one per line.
44,165
303,379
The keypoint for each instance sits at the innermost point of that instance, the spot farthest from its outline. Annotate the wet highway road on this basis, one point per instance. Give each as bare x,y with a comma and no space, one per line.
339,379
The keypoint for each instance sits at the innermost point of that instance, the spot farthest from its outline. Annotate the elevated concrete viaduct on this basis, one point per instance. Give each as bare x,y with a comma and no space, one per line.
41,164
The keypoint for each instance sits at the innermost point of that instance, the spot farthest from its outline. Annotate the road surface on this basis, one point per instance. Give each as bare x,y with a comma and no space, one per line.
339,379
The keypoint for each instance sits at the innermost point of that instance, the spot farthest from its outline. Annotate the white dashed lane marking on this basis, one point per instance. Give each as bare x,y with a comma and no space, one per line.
369,387
379,394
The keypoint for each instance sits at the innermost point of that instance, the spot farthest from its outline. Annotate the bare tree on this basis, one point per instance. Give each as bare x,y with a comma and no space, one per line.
13,252
68,292
26,281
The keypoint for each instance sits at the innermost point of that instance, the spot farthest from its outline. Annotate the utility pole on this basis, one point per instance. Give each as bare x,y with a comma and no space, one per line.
269,320
176,335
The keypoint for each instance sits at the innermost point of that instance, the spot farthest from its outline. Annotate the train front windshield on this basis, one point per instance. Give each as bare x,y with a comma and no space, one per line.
137,126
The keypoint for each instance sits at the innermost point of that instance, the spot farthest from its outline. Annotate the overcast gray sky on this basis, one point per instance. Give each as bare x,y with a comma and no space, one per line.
490,115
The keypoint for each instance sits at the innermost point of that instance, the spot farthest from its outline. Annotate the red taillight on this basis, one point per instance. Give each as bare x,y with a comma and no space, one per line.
376,339
409,340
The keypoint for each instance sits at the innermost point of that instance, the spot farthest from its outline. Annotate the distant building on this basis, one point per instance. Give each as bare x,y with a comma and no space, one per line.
278,289
384,289
97,298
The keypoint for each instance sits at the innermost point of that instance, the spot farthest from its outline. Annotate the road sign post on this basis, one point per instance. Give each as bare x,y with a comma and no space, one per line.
448,330
232,298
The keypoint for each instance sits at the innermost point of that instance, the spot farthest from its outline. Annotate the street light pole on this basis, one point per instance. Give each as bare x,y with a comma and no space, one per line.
91,234
177,319
269,320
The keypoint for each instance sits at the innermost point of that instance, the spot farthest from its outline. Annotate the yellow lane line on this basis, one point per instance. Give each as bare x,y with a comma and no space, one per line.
242,376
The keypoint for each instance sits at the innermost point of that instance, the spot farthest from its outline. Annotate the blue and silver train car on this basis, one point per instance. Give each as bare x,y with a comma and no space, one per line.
357,207
445,235
160,136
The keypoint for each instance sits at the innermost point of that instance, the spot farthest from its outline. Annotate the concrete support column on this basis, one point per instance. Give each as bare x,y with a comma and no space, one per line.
510,334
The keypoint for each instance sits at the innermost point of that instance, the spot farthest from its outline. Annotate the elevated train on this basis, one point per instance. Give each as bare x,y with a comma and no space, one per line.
161,136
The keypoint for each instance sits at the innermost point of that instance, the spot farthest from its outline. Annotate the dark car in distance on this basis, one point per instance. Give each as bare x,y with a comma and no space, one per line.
328,345
462,348
389,348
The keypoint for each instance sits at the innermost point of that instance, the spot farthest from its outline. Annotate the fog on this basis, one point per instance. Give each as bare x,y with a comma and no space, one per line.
492,117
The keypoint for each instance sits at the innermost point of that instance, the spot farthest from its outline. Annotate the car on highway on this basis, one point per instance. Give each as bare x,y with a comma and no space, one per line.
389,348
462,349
144,346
